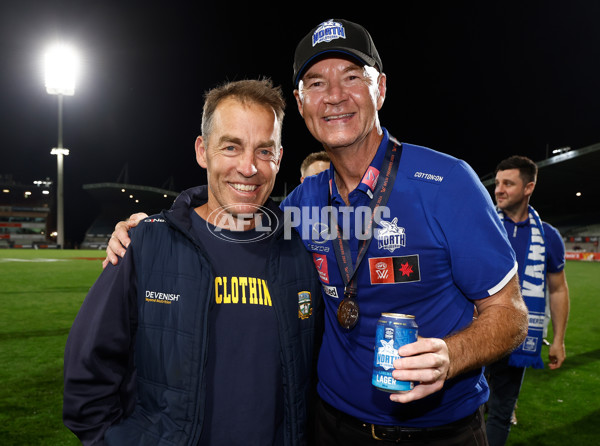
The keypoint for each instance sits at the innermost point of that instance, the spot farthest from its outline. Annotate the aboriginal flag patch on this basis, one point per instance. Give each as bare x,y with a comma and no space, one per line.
395,269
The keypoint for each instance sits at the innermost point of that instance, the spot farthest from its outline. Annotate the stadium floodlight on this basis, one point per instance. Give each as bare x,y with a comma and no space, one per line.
61,68
561,150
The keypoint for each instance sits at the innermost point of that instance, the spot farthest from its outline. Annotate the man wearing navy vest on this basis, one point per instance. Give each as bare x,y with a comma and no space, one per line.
205,334
540,254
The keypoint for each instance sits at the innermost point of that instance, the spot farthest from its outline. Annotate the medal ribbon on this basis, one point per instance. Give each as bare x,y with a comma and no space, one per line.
382,192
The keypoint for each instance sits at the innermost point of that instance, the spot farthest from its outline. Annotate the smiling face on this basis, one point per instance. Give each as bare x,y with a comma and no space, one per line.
242,158
339,101
511,192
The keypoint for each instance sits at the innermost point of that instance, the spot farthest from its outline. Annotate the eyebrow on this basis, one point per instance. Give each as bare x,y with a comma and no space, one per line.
230,139
235,140
350,67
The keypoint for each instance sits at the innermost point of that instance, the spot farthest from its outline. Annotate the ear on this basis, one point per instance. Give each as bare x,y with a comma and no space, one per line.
200,152
279,159
382,88
529,187
298,101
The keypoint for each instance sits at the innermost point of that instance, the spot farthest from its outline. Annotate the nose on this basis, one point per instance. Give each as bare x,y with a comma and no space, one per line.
335,93
247,164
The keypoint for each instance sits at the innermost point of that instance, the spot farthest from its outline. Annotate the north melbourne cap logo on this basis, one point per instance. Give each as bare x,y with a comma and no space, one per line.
328,31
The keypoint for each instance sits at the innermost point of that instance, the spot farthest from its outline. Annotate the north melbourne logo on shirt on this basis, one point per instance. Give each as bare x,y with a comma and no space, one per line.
394,269
391,237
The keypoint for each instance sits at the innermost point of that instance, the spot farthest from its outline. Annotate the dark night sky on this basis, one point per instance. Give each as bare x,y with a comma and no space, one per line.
477,80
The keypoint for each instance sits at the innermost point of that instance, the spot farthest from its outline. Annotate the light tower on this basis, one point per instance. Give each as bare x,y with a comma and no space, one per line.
61,71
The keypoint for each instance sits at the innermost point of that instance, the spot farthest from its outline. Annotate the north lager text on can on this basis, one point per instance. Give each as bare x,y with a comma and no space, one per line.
393,331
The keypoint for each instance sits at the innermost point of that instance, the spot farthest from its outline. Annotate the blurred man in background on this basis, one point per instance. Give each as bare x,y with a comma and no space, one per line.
541,257
313,164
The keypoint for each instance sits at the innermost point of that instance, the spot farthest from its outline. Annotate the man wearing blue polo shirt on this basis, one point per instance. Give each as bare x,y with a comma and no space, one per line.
435,250
541,256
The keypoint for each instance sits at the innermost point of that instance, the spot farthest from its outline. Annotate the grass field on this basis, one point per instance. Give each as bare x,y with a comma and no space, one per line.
41,291
40,294
558,407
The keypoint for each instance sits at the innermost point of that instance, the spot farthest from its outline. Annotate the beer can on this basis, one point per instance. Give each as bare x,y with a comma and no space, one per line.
393,331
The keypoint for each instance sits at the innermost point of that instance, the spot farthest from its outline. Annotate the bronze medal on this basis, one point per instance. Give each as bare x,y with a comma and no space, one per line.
347,313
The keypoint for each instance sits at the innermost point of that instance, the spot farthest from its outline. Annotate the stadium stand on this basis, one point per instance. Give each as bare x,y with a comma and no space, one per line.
26,214
567,196
118,201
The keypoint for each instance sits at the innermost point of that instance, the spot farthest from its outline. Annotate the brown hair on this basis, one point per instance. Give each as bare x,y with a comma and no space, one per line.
527,168
311,158
261,92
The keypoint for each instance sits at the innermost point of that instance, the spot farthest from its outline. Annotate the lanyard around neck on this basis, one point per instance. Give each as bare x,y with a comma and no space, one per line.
380,197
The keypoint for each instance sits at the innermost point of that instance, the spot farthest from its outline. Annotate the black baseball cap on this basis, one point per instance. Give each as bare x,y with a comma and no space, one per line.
335,36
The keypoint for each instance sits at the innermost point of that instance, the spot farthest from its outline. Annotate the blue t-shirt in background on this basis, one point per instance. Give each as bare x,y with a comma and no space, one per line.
244,402
518,236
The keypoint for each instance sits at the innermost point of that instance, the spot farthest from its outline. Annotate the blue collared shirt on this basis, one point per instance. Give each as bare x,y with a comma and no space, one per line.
439,246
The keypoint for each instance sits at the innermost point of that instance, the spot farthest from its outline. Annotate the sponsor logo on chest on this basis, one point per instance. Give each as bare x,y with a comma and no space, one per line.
161,297
387,270
304,304
322,267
